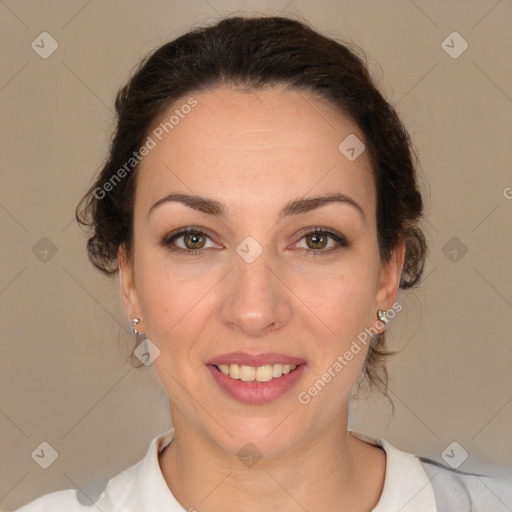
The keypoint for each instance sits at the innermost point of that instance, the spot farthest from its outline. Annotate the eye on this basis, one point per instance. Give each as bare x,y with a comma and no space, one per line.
317,241
192,241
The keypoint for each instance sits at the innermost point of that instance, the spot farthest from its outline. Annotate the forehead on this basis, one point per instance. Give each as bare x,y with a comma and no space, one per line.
266,145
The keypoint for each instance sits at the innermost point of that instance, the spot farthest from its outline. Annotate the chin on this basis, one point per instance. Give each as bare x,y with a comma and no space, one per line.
261,437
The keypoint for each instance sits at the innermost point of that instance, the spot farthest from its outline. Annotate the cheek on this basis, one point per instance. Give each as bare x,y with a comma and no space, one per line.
169,304
351,301
175,308
344,296
344,310
176,313
340,314
344,314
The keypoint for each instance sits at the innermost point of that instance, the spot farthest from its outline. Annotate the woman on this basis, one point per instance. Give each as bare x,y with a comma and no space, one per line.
261,206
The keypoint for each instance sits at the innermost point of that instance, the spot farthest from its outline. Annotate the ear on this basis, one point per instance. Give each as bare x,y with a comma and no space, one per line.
389,281
127,285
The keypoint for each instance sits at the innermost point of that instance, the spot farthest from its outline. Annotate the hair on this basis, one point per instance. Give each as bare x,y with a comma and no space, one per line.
253,53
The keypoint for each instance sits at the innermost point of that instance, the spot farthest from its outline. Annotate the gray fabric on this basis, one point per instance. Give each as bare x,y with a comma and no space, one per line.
457,491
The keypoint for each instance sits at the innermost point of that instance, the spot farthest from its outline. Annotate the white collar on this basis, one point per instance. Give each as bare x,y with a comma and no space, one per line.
406,486
152,488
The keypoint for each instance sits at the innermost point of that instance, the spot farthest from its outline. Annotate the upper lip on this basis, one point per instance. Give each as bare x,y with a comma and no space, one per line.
243,358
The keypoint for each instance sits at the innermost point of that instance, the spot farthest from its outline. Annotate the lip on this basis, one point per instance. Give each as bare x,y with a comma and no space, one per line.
256,393
243,358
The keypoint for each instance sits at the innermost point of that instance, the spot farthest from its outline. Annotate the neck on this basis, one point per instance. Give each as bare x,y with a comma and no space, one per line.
331,471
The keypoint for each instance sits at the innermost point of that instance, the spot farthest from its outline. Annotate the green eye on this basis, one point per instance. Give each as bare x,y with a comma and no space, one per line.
317,241
193,241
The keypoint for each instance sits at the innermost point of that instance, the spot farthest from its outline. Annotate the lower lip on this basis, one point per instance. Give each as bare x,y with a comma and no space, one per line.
256,392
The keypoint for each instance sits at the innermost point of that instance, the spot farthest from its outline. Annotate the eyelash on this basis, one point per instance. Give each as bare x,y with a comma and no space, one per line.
337,237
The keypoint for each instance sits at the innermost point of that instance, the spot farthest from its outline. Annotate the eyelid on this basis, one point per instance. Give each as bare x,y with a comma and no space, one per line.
321,229
338,237
184,231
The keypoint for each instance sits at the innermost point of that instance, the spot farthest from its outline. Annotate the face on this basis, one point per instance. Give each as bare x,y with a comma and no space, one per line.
267,275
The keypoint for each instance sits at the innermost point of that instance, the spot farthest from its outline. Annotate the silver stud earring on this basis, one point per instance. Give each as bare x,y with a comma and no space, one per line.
383,316
135,321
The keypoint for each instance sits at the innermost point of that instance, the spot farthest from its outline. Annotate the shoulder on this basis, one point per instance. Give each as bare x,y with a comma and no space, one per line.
139,487
458,490
117,495
414,483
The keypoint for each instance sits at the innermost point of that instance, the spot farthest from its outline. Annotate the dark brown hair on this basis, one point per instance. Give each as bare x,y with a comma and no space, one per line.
253,53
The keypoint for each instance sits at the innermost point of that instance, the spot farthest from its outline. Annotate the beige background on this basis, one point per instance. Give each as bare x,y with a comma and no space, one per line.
63,374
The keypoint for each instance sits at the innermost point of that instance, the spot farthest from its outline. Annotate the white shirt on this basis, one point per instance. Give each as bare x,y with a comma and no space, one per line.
411,484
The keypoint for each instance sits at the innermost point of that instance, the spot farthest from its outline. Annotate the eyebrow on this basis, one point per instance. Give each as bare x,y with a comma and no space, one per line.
295,207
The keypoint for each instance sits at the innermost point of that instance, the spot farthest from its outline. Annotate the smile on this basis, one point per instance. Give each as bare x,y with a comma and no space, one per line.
263,373
256,384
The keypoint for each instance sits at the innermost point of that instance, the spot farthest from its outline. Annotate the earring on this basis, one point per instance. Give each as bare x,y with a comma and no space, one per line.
135,321
383,316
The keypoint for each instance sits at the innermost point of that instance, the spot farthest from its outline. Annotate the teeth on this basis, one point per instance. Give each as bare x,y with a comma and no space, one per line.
263,373
277,370
247,373
234,372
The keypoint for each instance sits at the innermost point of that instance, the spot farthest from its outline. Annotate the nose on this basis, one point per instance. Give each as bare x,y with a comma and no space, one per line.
256,300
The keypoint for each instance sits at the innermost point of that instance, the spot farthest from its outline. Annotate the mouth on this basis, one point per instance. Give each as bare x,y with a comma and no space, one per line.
256,379
263,373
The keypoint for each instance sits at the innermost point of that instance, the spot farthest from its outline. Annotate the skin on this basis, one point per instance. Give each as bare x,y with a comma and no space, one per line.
254,152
